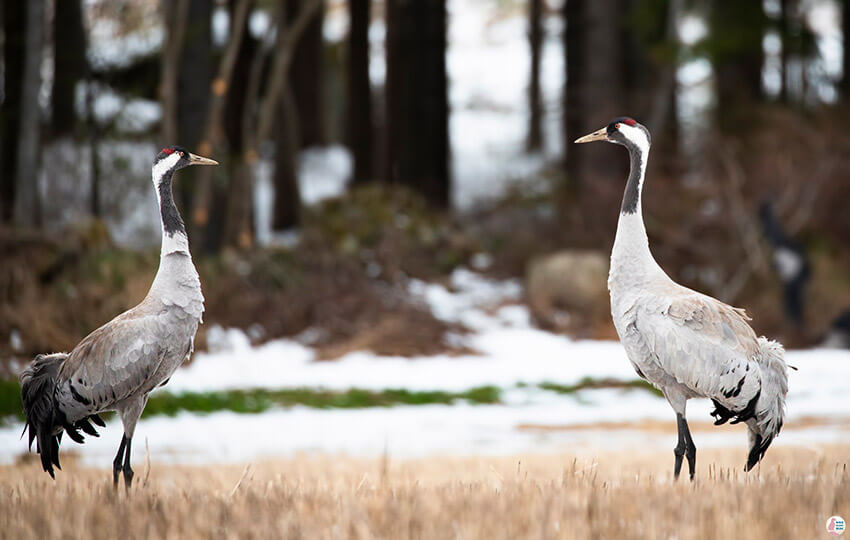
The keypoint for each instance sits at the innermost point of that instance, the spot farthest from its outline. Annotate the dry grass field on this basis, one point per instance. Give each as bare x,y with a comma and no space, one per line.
623,495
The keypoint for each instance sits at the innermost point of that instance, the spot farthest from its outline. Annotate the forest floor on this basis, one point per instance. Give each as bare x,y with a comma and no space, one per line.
630,494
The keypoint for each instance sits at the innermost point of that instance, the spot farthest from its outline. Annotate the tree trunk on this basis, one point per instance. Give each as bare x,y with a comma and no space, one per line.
257,128
595,81
222,134
193,86
306,75
287,197
359,126
650,62
28,206
785,39
175,17
574,113
69,61
845,33
416,98
14,29
737,31
534,141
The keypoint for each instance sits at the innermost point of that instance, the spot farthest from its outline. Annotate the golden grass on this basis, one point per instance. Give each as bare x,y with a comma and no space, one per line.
622,495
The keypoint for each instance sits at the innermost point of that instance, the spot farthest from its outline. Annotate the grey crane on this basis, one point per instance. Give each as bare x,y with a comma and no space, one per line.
685,343
115,367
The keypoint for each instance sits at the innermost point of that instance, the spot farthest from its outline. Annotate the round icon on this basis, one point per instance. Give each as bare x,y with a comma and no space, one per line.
835,525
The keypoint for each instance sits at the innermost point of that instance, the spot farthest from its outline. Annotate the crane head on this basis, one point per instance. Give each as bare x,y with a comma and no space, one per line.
622,130
173,158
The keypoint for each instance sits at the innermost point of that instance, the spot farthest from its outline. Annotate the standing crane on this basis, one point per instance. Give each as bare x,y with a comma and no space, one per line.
685,343
117,366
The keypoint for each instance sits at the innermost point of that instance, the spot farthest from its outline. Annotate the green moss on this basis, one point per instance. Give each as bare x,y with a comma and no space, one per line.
259,400
590,383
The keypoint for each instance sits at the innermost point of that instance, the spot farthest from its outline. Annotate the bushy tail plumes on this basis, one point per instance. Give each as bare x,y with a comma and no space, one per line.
44,420
770,408
38,395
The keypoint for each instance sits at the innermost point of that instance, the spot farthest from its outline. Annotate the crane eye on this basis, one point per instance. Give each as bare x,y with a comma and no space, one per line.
616,126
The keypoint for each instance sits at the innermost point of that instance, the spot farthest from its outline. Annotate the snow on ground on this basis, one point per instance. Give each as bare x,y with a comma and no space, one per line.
511,352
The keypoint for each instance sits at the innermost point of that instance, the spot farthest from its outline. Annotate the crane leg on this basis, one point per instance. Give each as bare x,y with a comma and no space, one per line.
128,471
679,451
116,465
690,450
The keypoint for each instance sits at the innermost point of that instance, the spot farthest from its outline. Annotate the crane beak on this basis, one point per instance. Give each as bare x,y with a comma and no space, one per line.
198,160
598,135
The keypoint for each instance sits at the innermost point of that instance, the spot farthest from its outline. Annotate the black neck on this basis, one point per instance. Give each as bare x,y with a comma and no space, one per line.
172,223
631,197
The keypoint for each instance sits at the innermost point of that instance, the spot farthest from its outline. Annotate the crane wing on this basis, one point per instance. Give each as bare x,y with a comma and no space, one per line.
114,361
706,345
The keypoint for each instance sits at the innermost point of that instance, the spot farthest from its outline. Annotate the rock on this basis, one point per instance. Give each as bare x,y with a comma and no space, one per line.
568,292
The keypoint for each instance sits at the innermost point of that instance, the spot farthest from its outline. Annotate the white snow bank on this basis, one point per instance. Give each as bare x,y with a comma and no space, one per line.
511,350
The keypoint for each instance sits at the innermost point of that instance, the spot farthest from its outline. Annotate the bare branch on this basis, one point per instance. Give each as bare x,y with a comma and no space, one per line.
283,60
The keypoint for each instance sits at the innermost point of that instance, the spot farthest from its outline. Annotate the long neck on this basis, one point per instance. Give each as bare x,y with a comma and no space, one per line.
637,172
631,259
174,237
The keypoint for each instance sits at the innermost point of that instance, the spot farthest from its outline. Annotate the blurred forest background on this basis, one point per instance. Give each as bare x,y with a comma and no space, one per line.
367,142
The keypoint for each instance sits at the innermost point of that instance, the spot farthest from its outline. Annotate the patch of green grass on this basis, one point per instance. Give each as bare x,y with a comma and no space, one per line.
259,400
590,383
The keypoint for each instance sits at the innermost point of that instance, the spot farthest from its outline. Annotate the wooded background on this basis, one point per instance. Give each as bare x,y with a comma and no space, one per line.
773,130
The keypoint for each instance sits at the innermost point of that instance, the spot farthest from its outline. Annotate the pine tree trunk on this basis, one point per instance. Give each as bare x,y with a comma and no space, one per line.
574,112
845,32
218,137
306,76
785,38
69,61
534,141
193,86
359,126
14,29
417,100
287,198
595,82
738,66
28,205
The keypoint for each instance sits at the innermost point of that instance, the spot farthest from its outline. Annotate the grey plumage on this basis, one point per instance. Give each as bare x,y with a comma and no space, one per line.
115,367
685,343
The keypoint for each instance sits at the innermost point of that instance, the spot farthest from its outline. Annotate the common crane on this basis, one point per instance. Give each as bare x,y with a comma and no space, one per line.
685,343
120,363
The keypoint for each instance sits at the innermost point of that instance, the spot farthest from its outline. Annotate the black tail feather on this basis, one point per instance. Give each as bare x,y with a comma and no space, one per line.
97,420
86,426
757,450
43,417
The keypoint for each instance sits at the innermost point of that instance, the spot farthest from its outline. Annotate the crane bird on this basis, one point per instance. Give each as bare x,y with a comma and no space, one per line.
685,343
115,367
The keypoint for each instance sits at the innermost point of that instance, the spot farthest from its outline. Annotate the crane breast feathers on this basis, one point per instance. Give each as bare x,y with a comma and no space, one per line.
116,359
706,345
